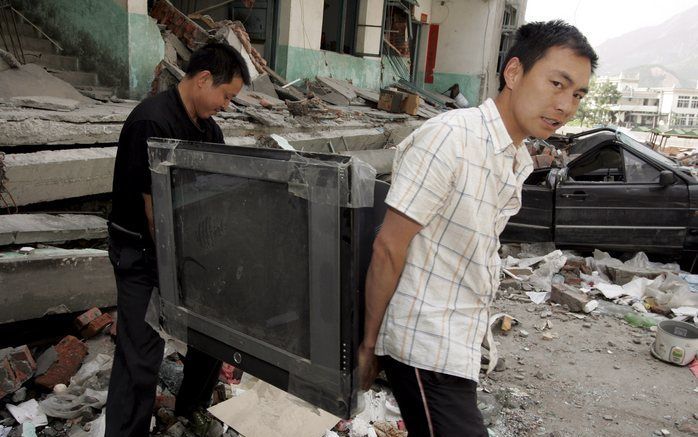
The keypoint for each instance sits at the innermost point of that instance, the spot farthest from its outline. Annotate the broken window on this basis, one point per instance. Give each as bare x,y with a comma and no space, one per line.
508,30
639,171
401,37
604,165
339,26
683,101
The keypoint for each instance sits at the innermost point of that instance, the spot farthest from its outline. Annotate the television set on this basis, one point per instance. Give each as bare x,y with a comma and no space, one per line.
262,257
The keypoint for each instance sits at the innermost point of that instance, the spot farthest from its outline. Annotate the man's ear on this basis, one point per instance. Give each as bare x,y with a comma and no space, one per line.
513,72
202,76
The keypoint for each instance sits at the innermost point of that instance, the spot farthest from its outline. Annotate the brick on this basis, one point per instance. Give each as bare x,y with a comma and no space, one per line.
96,326
71,352
574,298
85,318
17,365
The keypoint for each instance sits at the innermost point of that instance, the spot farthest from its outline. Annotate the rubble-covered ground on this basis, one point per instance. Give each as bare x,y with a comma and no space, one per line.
576,363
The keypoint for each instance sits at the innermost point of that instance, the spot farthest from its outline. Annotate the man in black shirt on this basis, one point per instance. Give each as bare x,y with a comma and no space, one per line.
214,75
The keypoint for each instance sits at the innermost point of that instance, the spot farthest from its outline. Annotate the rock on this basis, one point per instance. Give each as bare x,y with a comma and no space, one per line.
523,333
637,341
607,417
20,395
176,430
489,407
545,314
586,325
665,432
688,427
657,432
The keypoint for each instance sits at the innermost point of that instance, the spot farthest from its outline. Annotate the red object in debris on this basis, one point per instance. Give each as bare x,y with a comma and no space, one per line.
230,374
401,425
344,425
85,318
164,401
97,325
16,366
112,329
542,161
70,352
431,53
693,367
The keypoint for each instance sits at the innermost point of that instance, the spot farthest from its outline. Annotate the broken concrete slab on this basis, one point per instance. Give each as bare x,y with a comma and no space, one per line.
49,228
60,174
45,102
33,284
262,84
228,35
34,80
342,87
181,50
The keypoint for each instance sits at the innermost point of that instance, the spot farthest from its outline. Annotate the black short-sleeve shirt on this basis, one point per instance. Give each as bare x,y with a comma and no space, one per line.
164,116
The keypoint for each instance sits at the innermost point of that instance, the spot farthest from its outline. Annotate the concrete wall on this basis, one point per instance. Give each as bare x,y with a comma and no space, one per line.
299,55
114,38
468,45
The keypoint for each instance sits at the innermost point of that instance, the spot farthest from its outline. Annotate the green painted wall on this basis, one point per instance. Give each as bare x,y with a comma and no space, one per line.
293,63
469,84
121,48
146,49
93,30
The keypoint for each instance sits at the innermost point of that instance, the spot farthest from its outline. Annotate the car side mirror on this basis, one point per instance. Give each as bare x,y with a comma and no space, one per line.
666,178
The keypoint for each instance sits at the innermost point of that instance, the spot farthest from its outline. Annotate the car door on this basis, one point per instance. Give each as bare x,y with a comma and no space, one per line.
534,221
611,199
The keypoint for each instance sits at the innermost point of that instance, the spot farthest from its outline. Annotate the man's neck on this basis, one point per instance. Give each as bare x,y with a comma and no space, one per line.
185,93
505,111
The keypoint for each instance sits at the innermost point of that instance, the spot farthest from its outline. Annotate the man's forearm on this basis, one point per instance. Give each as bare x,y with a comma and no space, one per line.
148,203
381,282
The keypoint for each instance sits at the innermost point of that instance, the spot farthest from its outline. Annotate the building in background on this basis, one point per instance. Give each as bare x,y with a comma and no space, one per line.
657,107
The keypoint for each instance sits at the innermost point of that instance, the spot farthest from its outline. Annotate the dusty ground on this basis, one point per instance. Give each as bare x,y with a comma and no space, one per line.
596,377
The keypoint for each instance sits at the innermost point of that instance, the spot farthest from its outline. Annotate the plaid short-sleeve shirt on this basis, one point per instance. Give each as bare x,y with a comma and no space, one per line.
460,177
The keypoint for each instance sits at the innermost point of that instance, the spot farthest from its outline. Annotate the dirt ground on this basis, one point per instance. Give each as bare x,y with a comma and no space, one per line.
595,377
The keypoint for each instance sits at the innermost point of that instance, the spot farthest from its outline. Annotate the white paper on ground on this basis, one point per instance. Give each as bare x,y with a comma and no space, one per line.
538,297
266,411
610,291
282,142
685,311
28,410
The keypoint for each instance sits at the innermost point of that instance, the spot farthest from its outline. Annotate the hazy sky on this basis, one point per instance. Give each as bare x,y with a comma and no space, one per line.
601,20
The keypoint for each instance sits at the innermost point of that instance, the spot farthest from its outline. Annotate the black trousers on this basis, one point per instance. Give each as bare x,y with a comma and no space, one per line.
139,350
434,404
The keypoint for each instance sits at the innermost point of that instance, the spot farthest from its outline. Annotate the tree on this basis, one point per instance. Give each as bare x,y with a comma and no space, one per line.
596,106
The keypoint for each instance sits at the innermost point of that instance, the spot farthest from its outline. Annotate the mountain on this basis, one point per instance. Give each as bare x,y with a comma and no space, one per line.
662,54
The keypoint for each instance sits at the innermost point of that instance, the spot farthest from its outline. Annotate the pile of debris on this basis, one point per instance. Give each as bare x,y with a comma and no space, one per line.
271,100
540,273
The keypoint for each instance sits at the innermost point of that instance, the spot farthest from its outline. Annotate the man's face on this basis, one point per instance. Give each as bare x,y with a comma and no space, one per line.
547,96
212,99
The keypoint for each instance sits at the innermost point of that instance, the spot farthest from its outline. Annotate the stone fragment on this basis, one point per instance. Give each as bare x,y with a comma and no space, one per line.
574,298
85,318
97,325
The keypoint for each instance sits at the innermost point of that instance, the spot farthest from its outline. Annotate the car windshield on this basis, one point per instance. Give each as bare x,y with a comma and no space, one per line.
646,151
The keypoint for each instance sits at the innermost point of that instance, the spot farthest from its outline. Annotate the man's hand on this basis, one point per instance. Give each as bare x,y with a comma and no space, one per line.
368,366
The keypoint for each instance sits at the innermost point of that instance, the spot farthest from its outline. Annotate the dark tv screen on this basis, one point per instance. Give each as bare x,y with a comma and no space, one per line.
243,256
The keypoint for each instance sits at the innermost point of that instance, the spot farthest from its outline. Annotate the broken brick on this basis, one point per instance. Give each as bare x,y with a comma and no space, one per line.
542,161
71,352
16,366
85,318
574,298
97,325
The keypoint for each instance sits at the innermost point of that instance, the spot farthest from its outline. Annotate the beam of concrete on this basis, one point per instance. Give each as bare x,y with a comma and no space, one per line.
49,281
381,160
49,228
59,174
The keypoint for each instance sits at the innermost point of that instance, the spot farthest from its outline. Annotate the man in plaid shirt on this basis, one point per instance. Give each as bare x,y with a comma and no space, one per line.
435,266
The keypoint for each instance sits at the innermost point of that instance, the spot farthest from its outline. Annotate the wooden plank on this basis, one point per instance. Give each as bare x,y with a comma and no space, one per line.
49,228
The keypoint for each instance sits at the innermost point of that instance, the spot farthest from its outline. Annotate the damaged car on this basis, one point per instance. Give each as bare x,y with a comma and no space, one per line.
613,193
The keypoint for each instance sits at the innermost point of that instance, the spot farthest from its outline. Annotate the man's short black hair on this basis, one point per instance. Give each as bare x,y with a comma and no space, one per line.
534,39
222,60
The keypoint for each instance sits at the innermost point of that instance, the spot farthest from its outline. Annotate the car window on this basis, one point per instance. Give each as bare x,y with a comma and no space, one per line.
604,165
639,171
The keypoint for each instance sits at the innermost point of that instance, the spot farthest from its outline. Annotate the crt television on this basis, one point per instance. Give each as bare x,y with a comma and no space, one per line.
262,257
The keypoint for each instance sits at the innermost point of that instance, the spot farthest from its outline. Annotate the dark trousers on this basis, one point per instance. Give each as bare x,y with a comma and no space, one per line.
434,404
139,350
